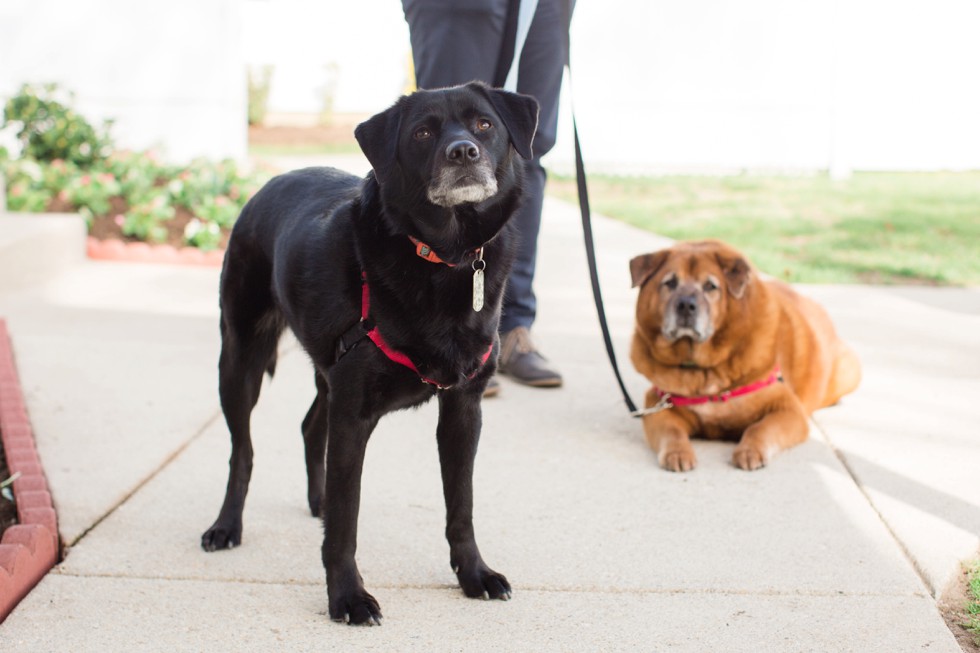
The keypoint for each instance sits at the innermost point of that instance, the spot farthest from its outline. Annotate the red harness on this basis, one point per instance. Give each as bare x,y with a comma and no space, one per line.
393,354
670,400
349,339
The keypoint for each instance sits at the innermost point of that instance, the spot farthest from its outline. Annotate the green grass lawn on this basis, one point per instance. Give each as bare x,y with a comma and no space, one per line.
889,228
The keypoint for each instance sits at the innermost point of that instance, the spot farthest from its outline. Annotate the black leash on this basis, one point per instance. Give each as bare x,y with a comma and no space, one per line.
583,202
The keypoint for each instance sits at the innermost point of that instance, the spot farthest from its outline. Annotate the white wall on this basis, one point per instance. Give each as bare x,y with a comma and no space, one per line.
356,52
659,84
170,73
840,84
695,85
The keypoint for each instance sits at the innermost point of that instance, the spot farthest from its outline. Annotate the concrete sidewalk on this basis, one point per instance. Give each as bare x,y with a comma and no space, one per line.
841,544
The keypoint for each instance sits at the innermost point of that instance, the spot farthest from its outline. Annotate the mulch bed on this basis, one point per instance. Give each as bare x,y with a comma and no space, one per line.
106,227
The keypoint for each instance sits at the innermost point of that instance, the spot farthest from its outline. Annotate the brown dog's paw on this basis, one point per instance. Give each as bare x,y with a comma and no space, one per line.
748,458
678,460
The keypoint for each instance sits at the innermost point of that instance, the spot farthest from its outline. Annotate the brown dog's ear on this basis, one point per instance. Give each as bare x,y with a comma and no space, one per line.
378,138
738,274
519,113
644,266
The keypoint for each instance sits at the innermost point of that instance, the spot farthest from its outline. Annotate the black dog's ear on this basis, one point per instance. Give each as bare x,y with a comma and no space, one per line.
378,138
644,266
519,113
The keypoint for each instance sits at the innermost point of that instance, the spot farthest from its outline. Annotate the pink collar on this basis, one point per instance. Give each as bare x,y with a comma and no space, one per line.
670,400
392,353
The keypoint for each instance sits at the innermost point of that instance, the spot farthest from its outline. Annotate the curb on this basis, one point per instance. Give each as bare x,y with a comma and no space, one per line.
117,250
29,549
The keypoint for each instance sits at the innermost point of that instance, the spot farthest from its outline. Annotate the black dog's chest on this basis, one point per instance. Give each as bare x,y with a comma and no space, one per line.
437,334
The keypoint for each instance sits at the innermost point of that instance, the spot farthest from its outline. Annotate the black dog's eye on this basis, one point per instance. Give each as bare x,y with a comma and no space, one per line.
710,285
670,283
483,124
423,133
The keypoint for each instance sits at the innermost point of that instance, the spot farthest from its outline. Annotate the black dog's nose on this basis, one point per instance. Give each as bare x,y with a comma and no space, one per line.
687,306
462,152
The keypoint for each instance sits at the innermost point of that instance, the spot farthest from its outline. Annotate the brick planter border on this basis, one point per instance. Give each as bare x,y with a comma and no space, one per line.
30,548
117,250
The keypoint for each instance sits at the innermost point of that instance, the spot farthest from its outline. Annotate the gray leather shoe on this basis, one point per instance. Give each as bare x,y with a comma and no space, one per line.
520,360
492,389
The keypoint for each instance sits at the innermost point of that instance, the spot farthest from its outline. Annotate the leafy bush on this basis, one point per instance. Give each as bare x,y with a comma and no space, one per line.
50,130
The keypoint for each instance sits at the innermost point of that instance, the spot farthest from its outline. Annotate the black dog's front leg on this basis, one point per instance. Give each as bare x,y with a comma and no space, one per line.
347,439
460,420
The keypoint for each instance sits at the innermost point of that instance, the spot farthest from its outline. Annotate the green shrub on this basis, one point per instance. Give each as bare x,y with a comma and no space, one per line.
50,130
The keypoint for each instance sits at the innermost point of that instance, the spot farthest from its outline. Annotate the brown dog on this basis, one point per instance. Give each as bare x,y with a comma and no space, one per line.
730,355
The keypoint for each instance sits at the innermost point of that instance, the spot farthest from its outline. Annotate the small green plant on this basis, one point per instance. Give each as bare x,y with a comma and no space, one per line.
145,220
218,209
22,196
973,601
137,172
93,192
50,130
25,187
259,79
202,234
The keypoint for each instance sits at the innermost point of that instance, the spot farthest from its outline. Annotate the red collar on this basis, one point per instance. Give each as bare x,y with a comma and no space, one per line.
425,252
393,354
669,400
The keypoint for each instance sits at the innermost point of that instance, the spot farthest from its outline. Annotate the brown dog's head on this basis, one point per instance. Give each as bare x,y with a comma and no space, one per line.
685,290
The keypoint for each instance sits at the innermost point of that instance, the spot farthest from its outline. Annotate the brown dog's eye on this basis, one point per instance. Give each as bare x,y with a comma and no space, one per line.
710,285
483,124
670,283
422,133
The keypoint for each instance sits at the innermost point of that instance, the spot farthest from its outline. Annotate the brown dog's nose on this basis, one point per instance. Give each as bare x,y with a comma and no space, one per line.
462,152
687,305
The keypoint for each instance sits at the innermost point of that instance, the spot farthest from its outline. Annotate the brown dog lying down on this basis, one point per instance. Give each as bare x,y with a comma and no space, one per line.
730,355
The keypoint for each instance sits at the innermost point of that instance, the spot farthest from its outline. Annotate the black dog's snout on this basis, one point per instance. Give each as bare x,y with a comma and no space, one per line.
687,306
462,152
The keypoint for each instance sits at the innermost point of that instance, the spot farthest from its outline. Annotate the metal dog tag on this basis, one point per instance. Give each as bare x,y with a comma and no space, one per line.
479,265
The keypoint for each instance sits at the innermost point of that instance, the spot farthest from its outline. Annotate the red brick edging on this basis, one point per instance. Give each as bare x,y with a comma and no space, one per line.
29,549
117,250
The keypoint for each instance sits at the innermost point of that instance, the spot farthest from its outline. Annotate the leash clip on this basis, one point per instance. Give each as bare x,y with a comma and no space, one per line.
663,404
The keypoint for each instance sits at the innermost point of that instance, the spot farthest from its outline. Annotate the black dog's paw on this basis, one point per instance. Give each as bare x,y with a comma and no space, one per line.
356,608
220,536
483,582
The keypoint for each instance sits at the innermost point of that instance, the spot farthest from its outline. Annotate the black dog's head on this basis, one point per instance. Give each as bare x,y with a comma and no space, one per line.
444,158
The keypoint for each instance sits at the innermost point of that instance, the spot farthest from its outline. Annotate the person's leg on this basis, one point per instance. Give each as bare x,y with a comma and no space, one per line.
539,75
541,67
455,41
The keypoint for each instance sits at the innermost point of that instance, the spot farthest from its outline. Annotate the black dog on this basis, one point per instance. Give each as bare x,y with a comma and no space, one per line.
393,285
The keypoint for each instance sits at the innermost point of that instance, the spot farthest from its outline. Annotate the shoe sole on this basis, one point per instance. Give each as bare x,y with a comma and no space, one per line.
538,383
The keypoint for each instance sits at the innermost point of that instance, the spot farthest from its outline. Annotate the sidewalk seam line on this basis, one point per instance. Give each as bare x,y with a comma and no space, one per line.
570,590
906,552
286,351
139,486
